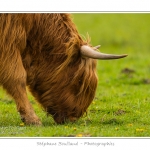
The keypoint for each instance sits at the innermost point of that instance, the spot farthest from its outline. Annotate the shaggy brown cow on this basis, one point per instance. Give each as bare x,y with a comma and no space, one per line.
46,53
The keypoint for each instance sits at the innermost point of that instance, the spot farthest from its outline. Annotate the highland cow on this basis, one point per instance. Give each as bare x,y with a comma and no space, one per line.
46,53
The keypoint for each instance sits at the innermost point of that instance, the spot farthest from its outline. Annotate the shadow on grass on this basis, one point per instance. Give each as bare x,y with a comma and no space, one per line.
112,121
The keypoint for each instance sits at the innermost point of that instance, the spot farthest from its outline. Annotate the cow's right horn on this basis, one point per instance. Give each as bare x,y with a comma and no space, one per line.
91,53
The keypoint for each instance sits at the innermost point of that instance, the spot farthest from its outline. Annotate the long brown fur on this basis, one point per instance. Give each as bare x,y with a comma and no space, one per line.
42,51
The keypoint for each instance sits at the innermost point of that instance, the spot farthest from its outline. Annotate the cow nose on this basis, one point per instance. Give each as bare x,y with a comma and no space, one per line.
59,120
72,119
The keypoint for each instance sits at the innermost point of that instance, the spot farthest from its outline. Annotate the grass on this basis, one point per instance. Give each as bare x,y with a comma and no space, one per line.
121,107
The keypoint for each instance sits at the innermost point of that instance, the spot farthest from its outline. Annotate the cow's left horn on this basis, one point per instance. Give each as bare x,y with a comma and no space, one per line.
91,53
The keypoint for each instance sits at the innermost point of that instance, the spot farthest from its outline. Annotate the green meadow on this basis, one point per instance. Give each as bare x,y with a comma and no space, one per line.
121,107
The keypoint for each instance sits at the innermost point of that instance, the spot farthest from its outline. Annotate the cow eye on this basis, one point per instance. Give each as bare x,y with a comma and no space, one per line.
80,81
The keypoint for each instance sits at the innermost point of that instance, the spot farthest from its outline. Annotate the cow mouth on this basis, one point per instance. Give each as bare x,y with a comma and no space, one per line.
61,118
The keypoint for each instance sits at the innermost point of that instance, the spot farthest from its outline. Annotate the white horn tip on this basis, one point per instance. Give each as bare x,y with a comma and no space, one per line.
125,55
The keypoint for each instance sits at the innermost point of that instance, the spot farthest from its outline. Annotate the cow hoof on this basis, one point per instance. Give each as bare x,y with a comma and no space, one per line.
33,121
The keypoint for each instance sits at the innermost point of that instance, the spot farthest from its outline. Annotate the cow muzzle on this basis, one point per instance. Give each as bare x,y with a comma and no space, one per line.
61,118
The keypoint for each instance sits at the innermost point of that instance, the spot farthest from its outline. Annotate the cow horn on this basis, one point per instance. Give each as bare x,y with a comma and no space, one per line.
91,53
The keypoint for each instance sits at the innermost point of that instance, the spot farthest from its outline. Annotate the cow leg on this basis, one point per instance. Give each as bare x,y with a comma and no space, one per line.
17,90
15,85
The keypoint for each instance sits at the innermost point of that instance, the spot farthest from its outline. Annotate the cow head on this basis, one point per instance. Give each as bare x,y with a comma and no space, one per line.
66,91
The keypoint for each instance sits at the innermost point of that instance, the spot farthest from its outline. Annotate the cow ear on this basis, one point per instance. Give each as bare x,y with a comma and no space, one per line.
87,51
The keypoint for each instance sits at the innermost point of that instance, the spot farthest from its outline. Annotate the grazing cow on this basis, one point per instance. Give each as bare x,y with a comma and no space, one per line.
46,53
